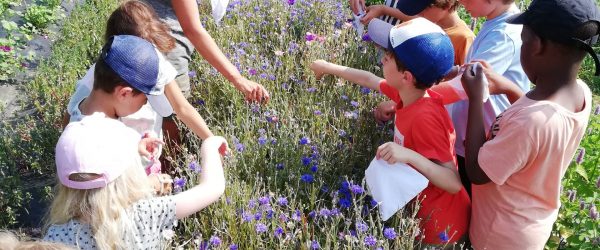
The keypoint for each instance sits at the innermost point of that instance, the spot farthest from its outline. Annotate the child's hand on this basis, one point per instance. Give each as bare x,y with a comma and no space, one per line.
214,144
373,11
473,82
318,67
356,5
253,92
162,183
394,153
148,146
384,112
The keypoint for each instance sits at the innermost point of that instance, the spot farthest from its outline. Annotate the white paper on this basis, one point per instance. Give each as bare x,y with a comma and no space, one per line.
458,88
393,185
219,7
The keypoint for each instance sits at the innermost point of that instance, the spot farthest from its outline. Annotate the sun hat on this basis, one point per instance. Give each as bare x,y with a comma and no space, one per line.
139,64
413,7
557,20
96,145
422,46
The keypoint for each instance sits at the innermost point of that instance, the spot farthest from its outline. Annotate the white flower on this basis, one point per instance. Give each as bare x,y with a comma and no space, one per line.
279,53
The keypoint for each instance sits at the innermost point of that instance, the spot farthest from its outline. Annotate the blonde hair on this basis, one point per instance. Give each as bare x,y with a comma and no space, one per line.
8,241
104,209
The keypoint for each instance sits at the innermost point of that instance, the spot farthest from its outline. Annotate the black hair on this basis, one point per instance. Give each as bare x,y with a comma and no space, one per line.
107,79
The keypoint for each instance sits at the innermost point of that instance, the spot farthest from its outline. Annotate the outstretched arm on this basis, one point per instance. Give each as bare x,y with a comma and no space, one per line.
186,112
361,77
189,18
212,180
375,11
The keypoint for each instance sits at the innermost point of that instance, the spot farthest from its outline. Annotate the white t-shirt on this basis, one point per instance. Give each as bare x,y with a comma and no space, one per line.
150,217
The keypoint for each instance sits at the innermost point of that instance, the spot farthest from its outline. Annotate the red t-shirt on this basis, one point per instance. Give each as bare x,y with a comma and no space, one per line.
425,127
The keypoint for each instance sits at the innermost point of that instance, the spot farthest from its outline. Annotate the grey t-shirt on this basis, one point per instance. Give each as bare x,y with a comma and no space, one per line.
150,217
181,55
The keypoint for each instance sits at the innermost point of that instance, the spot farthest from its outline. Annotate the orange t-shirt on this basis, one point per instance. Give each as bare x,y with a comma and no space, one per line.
461,37
425,127
530,147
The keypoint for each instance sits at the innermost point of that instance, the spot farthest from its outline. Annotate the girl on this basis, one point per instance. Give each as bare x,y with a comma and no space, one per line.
106,203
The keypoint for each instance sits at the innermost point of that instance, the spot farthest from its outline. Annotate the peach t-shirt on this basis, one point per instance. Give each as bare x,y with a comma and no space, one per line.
461,37
527,153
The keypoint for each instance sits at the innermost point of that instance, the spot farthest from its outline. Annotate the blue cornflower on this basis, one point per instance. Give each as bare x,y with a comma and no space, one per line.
240,147
345,97
246,217
260,228
365,90
269,214
283,218
324,212
314,244
282,201
215,240
194,166
342,133
233,247
304,140
264,200
257,216
370,241
306,160
307,178
312,214
366,37
263,75
278,232
200,102
443,236
373,202
389,233
179,183
345,203
279,166
354,103
314,168
580,156
356,189
297,215
251,203
335,212
192,74
361,227
272,77
318,112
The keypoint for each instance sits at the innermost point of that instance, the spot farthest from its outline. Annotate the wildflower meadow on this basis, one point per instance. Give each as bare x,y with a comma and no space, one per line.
295,174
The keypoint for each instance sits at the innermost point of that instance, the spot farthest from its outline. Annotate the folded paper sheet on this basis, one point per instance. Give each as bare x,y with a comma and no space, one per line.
219,7
393,185
460,91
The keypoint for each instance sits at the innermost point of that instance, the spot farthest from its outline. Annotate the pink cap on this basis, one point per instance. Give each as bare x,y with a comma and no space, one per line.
96,145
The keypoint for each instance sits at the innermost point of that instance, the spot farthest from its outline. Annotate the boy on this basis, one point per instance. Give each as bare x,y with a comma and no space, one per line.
397,18
418,55
517,172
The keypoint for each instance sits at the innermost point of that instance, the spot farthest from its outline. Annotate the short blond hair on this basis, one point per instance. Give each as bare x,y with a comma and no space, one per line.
104,209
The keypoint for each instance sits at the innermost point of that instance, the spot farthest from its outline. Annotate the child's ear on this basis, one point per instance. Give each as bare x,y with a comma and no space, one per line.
123,91
409,77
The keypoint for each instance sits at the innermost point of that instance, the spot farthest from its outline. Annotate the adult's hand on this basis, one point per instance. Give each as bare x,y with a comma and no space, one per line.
252,91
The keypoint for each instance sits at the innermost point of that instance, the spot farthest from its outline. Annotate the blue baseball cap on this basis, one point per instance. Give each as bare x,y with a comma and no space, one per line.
422,46
557,20
413,7
139,64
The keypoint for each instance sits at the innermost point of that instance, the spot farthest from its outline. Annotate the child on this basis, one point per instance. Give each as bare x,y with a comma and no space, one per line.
440,12
137,18
517,172
397,18
105,203
9,241
418,56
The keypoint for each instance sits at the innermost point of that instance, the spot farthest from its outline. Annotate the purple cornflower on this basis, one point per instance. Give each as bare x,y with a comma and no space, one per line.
215,240
361,227
312,214
324,212
192,74
314,168
344,97
291,2
200,102
389,233
311,90
314,244
297,215
269,214
262,131
251,203
233,247
310,37
179,182
239,147
282,201
257,216
354,103
356,189
260,228
283,218
307,178
263,75
342,133
252,71
373,202
246,217
572,195
304,141
6,48
365,90
318,112
370,241
593,212
262,140
306,160
366,37
443,236
597,111
580,156
264,200
194,166
581,205
279,166
278,232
